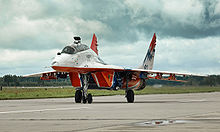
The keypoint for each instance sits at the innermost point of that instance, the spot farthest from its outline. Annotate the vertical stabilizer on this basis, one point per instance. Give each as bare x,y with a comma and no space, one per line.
149,58
94,45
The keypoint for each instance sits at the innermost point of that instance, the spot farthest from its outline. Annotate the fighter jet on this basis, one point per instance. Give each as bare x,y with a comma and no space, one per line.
87,70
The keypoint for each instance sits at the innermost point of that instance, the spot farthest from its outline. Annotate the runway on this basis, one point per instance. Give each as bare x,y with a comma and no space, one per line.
198,112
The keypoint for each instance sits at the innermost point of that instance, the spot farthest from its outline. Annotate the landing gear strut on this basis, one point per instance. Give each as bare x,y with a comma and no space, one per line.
81,95
129,92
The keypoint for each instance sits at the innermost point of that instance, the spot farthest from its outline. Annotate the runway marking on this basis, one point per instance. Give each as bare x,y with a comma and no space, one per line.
41,110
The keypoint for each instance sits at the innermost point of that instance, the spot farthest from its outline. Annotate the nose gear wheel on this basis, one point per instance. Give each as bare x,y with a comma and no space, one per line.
81,95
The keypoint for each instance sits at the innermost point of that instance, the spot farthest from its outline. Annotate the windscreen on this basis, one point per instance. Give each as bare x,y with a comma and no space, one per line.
73,49
68,50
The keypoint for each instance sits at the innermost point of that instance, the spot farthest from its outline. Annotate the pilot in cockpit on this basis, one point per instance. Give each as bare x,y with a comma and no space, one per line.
75,47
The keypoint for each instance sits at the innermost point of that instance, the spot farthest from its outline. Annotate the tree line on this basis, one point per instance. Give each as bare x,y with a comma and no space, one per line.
211,80
18,81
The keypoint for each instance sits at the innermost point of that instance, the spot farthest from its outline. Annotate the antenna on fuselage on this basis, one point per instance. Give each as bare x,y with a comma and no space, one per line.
77,40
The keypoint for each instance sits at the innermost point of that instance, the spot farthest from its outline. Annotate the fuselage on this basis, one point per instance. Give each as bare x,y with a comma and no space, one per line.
80,56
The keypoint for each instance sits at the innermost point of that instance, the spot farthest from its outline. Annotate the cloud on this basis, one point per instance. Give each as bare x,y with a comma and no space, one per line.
23,33
21,62
126,55
193,55
112,20
124,29
185,19
172,54
15,57
183,12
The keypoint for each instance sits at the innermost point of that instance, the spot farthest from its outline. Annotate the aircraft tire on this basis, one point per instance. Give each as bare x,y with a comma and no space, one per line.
90,98
130,96
78,96
84,100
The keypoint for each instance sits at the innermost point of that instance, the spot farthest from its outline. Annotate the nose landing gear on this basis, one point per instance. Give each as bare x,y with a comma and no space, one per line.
81,95
80,98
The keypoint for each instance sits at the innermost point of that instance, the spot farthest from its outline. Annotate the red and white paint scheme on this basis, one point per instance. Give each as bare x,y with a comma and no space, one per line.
87,70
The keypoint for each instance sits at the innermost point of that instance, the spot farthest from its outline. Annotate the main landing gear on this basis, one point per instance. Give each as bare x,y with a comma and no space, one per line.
129,93
81,95
130,96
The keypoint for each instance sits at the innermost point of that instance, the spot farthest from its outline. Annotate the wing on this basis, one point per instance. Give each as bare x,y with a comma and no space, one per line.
162,75
140,73
39,74
48,75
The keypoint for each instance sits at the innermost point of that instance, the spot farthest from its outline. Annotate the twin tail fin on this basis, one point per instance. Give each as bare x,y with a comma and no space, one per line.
149,58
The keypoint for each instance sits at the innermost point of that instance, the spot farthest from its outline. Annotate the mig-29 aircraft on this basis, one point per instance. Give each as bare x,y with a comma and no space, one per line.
87,70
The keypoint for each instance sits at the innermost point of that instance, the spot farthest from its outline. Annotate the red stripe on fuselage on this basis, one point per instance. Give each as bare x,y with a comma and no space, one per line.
75,79
83,69
132,83
103,79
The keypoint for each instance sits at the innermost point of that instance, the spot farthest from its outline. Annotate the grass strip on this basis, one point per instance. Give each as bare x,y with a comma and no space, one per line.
36,93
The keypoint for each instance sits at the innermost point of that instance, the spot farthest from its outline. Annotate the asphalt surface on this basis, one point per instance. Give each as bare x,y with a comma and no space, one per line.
199,112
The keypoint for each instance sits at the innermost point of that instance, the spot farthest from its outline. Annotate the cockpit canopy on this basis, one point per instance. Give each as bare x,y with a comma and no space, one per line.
68,50
75,48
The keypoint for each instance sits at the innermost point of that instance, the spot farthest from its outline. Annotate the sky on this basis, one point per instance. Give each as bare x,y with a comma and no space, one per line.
188,33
